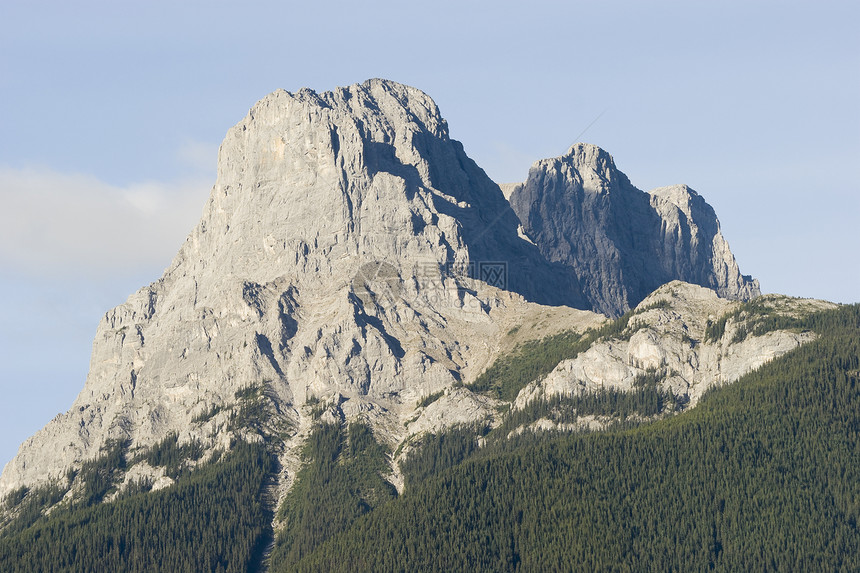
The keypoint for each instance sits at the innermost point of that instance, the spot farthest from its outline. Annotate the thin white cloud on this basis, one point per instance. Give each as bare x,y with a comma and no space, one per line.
53,224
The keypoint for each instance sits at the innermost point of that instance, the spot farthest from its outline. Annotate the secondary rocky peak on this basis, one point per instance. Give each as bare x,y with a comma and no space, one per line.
623,243
589,158
590,167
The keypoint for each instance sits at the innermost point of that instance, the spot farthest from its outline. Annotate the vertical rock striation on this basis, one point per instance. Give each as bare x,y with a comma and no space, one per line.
623,243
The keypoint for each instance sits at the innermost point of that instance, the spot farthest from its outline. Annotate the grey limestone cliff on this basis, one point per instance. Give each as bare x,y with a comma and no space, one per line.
623,243
336,259
667,336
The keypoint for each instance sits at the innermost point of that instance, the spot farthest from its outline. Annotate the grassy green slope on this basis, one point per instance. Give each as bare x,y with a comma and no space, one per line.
762,475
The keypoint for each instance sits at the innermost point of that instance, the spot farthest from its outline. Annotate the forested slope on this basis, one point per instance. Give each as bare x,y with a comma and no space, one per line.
210,520
762,475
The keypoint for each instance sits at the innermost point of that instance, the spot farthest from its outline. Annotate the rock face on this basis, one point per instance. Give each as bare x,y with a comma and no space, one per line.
582,212
666,338
335,260
352,258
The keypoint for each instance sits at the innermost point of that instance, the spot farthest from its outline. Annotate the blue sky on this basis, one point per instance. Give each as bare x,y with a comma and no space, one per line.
112,113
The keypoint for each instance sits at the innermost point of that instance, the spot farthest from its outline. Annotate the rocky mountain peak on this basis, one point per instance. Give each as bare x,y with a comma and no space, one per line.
589,166
589,158
315,184
351,254
623,243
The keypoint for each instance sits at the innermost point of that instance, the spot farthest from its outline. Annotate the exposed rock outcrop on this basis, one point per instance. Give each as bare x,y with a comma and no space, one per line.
667,339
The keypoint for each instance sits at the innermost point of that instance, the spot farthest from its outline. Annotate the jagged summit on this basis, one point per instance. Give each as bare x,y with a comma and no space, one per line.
399,102
589,157
623,243
359,174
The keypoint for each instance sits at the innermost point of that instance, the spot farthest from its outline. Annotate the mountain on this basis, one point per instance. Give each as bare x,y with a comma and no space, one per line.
760,476
335,256
356,286
623,243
